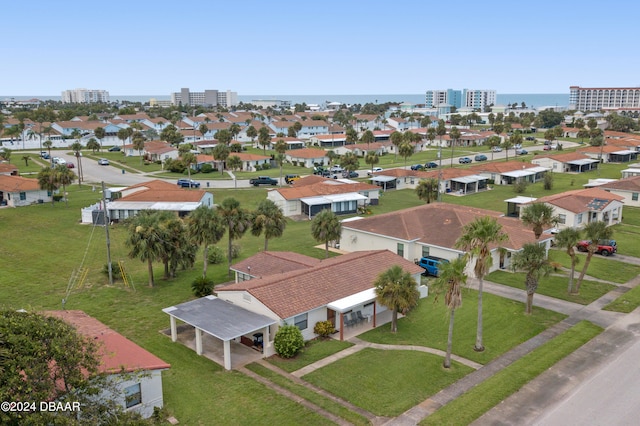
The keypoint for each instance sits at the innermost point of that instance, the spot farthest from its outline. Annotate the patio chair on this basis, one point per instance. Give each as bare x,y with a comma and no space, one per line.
354,318
347,321
361,317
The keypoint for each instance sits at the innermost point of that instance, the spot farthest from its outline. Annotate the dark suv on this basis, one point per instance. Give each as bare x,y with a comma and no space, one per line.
263,180
188,183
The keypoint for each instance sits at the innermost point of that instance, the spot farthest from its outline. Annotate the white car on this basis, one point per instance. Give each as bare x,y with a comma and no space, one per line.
103,162
375,170
496,149
58,160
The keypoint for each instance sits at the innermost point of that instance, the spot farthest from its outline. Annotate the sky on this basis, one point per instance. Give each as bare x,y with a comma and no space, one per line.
141,47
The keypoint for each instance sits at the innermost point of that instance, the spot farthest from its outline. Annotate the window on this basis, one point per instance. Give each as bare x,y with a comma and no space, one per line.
400,250
634,196
425,251
301,321
579,218
23,196
133,395
562,218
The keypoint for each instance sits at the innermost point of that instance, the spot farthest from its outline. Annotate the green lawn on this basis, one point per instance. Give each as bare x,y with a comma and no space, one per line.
505,326
603,268
555,286
625,303
313,351
480,399
386,382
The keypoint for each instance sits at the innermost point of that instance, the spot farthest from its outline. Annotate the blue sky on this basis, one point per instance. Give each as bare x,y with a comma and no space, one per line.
141,47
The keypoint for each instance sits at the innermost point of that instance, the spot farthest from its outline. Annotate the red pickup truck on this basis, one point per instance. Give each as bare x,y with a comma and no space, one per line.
605,247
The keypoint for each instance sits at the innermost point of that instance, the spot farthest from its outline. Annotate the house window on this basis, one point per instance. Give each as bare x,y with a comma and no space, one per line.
562,218
634,196
425,251
133,395
23,196
579,218
400,250
301,321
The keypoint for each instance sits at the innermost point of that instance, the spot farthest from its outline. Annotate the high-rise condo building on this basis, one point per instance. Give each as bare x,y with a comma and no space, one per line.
597,98
85,96
478,99
207,98
467,98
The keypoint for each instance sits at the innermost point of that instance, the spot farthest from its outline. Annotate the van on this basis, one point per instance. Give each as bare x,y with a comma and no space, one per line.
431,264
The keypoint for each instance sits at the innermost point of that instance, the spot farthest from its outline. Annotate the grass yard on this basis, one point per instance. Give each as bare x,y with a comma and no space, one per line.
311,396
555,286
386,382
625,303
480,399
313,351
505,326
602,268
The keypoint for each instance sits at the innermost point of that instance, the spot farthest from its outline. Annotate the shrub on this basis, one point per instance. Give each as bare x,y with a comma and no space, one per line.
58,197
520,187
548,181
115,271
216,255
324,328
206,168
235,251
288,341
266,166
202,286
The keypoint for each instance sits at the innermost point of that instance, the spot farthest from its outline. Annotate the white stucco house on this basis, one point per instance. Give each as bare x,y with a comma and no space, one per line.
17,191
570,162
306,157
432,230
628,188
135,372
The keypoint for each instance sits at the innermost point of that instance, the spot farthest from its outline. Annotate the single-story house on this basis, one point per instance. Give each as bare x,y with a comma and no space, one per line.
578,207
432,230
307,157
157,195
136,372
610,153
292,143
457,180
570,162
632,170
311,194
160,151
251,162
328,141
8,169
361,149
628,188
16,191
271,262
510,172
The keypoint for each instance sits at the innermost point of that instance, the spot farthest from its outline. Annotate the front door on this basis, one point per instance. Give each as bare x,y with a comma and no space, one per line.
331,316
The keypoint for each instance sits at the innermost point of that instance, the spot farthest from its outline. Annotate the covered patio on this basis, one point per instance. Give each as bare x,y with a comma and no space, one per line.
468,184
232,329
358,310
385,182
338,203
583,165
531,175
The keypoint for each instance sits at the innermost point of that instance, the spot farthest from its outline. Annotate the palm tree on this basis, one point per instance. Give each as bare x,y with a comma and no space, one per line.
451,278
205,228
47,181
538,216
349,161
188,158
221,153
406,151
268,218
252,133
281,148
234,162
137,141
427,190
594,232
64,176
264,138
397,290
236,220
476,239
454,135
26,160
567,239
368,138
234,129
372,159
123,134
396,140
144,240
99,133
48,144
326,227
533,260
76,147
93,145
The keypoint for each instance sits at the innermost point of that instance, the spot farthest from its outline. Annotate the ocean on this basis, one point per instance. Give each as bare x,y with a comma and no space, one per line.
535,100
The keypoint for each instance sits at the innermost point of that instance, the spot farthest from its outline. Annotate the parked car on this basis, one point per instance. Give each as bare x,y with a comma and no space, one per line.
336,169
431,165
431,264
464,160
480,157
350,175
188,183
547,148
517,146
521,151
114,149
60,161
375,170
70,165
417,167
263,180
530,138
291,178
103,162
605,247
496,149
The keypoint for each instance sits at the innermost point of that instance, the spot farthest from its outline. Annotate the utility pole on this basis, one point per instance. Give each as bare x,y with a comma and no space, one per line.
106,229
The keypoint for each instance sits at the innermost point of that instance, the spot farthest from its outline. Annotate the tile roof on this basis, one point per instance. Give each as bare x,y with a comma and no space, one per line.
439,224
563,158
626,184
18,184
306,153
159,190
598,149
274,262
117,352
295,292
581,200
7,168
501,166
322,186
158,147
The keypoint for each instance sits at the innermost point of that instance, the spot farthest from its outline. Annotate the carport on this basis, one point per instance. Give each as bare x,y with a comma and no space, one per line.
582,165
623,156
466,184
219,319
531,174
386,182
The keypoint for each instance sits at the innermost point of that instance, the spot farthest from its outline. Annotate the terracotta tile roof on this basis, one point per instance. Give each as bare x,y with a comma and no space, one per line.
137,116
117,352
274,262
501,166
322,187
625,142
563,158
581,200
626,184
306,153
244,156
440,224
7,168
158,147
447,173
84,125
604,149
295,292
159,190
18,184
335,136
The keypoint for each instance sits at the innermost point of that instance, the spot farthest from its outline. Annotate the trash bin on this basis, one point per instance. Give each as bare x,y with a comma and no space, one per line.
207,184
257,340
122,171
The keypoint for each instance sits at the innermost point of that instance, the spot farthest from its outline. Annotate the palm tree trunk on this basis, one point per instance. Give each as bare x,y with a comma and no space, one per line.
266,244
394,321
167,273
479,347
150,269
64,194
326,249
447,358
205,261
573,271
529,307
583,272
229,254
